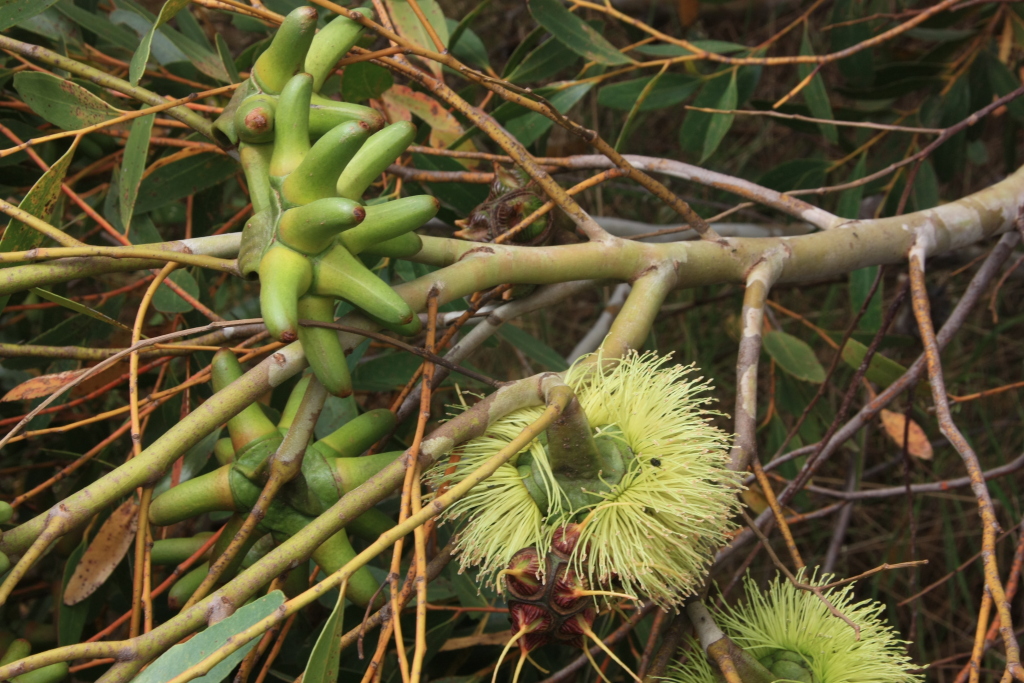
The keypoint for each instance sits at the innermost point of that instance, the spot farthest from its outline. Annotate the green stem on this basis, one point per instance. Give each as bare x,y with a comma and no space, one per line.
89,353
103,79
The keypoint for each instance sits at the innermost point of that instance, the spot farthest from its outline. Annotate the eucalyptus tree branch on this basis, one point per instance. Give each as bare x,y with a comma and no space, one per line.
979,283
105,80
759,283
215,338
733,662
17,278
785,203
631,326
989,521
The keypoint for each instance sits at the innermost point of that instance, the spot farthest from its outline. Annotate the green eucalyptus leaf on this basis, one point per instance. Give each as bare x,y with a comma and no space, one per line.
71,621
794,356
364,81
166,300
575,33
533,347
40,202
322,666
720,124
61,102
78,308
141,56
15,11
815,94
184,177
134,165
181,657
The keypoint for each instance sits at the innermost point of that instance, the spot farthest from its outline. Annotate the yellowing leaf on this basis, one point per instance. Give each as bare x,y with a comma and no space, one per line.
44,385
105,552
402,101
917,441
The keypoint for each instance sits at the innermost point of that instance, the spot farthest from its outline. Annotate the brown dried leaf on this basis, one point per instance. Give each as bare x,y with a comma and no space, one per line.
44,385
105,552
918,444
402,102
689,10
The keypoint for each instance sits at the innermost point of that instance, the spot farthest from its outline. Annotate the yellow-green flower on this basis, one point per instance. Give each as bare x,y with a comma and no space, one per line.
652,532
793,633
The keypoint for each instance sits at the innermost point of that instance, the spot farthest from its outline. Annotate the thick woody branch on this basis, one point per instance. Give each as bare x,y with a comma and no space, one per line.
759,283
990,525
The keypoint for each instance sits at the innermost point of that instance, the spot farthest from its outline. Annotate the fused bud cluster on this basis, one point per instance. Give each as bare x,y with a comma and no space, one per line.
548,600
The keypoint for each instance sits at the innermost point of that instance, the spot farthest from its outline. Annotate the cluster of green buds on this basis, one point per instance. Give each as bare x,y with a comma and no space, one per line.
330,469
794,635
308,160
629,488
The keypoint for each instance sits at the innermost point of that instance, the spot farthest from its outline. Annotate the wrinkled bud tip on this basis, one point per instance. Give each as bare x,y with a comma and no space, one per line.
257,121
359,213
288,336
565,538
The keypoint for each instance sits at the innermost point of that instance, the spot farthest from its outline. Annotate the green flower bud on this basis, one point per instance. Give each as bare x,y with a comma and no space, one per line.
315,177
379,152
312,228
330,45
251,424
343,276
285,275
291,125
254,119
287,50
177,550
322,347
390,221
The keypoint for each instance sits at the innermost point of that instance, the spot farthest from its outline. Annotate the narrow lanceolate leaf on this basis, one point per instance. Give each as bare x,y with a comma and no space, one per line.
575,33
181,657
16,11
133,166
105,552
141,56
794,356
40,202
71,618
409,25
917,441
229,62
720,123
324,660
37,387
444,128
78,308
815,93
61,102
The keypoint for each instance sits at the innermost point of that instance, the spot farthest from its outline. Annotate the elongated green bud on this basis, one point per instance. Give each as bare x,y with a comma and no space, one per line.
355,436
294,401
330,44
285,275
291,125
224,451
343,276
325,114
256,165
402,246
208,493
5,564
322,347
379,152
287,50
352,472
47,674
19,649
370,525
6,512
184,587
250,425
177,550
254,119
334,554
315,177
387,221
313,227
